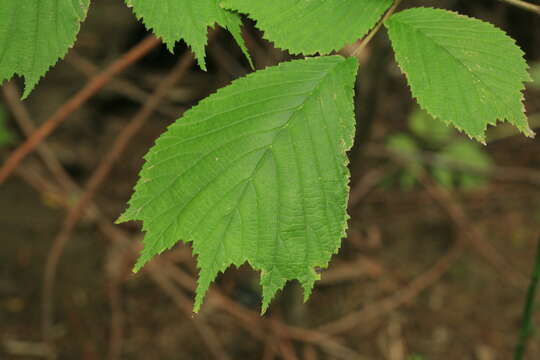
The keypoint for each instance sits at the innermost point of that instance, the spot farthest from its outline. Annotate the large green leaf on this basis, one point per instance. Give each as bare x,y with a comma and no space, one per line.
461,70
312,26
256,172
34,34
188,20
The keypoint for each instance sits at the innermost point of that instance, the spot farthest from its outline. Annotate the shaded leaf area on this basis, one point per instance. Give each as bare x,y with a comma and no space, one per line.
312,26
35,34
461,70
256,172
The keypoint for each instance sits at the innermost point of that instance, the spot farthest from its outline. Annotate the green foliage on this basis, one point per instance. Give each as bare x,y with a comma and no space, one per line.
34,34
455,161
6,136
409,151
415,357
535,73
257,172
467,155
188,20
312,26
263,180
430,131
461,70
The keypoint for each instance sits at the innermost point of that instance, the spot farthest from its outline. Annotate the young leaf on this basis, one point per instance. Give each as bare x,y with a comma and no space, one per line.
35,34
429,129
188,20
256,172
461,70
312,26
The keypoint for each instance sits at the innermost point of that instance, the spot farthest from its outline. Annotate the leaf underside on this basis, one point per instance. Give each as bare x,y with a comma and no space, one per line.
35,34
188,20
463,71
312,26
255,173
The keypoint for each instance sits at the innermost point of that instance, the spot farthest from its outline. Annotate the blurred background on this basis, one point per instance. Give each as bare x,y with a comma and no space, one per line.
436,264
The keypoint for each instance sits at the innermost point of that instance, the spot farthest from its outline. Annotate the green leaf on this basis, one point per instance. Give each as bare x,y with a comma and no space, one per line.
34,34
469,155
428,129
535,73
407,149
188,20
461,70
256,172
312,26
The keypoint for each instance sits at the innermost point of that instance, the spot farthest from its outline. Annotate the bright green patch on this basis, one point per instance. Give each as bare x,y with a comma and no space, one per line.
312,26
255,173
34,34
188,20
461,70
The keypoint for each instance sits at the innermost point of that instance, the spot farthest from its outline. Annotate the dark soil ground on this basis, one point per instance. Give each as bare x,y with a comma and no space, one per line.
425,273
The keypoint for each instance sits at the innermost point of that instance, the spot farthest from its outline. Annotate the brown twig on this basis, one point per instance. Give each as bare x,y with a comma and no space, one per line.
185,305
74,103
399,298
119,85
23,118
458,216
96,180
119,238
256,325
524,5
376,29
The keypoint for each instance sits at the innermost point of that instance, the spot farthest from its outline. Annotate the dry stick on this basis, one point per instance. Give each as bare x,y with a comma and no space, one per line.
23,118
473,235
117,236
423,281
74,103
121,86
400,298
185,305
252,321
95,181
524,5
457,215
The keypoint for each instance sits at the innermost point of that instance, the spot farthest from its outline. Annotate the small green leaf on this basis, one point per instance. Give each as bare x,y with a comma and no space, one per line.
461,70
470,156
34,34
188,20
312,26
407,149
535,73
429,129
255,173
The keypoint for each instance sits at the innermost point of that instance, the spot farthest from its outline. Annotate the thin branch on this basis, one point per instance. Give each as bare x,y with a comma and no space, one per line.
95,181
119,85
74,103
399,298
528,310
524,5
376,29
22,116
